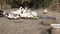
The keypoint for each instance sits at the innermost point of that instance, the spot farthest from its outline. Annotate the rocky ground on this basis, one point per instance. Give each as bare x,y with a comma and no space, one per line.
28,26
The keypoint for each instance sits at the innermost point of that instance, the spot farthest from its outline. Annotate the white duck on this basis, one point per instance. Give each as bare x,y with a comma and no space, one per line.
11,15
34,14
29,15
25,10
45,11
23,13
17,11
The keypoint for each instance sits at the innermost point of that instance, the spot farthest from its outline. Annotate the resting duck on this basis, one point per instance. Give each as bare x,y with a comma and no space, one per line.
45,11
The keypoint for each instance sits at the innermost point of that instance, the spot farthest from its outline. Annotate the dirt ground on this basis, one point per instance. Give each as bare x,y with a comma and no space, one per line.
27,26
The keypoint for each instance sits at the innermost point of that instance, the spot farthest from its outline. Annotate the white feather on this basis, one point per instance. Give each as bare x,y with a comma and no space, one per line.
45,10
34,14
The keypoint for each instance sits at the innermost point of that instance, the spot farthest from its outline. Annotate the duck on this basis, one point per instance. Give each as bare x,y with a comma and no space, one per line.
45,11
23,13
34,13
17,11
29,15
11,16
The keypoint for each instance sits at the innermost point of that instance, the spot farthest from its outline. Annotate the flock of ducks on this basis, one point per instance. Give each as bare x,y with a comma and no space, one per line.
21,12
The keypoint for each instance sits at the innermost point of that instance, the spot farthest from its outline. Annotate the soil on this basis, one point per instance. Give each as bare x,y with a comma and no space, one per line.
28,26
